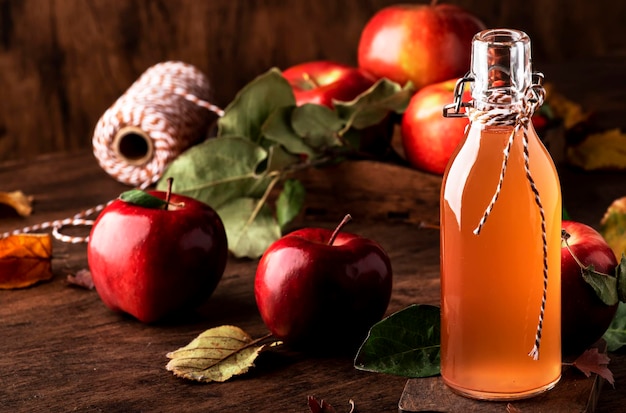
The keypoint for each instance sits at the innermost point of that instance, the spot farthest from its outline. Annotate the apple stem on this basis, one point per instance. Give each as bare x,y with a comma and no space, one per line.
564,237
343,222
309,79
433,3
168,194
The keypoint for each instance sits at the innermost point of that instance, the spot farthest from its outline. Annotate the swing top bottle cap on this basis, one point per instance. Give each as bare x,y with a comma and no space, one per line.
501,66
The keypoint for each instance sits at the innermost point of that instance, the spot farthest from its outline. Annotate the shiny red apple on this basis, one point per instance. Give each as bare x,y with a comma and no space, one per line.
152,261
428,138
585,317
319,289
420,43
322,82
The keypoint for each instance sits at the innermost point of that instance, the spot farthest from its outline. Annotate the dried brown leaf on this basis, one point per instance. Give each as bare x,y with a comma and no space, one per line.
82,278
24,260
322,406
22,204
512,409
592,361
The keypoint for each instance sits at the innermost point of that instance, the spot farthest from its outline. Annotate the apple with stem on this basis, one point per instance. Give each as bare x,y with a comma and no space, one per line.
584,316
154,254
321,289
421,43
323,82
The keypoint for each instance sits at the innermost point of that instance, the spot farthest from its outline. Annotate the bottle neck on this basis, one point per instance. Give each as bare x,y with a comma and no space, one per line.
501,68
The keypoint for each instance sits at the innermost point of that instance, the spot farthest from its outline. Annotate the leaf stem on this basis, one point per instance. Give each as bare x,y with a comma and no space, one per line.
263,199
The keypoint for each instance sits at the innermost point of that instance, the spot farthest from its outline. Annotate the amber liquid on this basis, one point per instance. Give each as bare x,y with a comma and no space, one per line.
492,283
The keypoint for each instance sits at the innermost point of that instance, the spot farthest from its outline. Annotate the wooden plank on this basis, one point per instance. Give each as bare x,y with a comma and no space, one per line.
373,191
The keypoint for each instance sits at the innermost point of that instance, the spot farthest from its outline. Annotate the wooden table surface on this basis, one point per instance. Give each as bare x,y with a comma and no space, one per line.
63,350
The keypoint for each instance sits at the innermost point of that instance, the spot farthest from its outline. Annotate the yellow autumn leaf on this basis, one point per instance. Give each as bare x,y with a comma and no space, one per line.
563,108
24,260
605,150
22,204
613,227
216,355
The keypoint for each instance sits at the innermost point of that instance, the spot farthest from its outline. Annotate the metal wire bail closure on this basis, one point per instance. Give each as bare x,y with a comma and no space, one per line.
453,110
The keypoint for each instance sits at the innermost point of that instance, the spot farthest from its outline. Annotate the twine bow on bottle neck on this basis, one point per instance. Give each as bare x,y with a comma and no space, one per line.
498,111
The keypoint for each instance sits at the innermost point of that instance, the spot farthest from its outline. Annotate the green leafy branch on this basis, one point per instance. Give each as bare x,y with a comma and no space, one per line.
262,139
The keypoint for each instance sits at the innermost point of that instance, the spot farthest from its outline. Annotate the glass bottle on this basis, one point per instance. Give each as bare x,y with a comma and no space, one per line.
500,233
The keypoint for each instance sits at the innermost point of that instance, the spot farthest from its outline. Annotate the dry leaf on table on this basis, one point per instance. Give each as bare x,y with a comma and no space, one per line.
82,279
24,260
322,406
216,355
592,361
22,204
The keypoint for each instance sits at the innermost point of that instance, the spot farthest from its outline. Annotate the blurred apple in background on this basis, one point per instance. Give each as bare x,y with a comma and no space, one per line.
323,81
420,43
429,139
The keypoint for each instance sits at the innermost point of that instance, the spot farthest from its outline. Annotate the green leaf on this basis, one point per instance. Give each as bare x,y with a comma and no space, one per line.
142,198
404,344
290,201
615,336
249,232
371,107
216,355
218,171
605,286
278,129
317,125
279,159
620,274
253,105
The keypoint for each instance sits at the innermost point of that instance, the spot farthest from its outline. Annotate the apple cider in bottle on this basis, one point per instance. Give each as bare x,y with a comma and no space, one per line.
500,233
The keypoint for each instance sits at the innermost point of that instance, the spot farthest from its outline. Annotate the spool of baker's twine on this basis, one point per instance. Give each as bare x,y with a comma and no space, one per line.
163,113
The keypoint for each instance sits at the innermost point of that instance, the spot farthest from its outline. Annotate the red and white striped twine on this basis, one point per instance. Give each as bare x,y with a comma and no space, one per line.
497,115
169,104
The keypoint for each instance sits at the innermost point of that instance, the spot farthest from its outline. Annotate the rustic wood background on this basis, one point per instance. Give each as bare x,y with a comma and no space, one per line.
63,63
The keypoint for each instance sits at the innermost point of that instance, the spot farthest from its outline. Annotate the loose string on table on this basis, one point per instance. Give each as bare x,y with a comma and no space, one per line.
520,119
163,113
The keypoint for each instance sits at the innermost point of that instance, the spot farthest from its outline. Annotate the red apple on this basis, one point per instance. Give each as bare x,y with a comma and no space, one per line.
322,290
151,261
322,82
420,43
585,317
428,138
